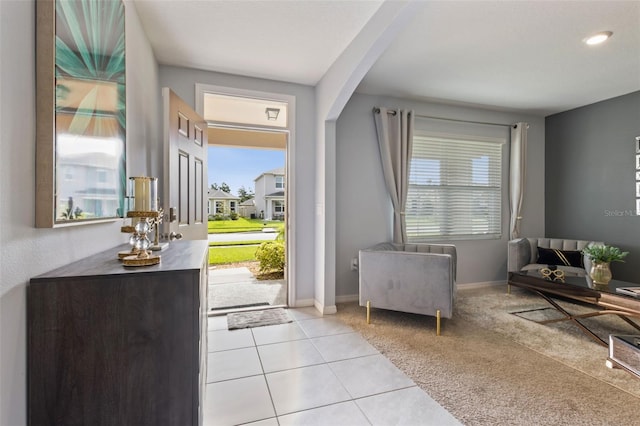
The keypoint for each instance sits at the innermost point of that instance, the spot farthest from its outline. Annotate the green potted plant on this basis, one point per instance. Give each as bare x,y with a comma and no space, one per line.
601,257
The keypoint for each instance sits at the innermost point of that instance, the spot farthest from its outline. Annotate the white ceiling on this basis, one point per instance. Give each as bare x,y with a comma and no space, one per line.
512,55
523,55
294,41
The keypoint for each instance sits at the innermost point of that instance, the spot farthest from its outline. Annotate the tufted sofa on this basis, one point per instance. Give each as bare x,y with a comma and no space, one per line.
523,254
415,278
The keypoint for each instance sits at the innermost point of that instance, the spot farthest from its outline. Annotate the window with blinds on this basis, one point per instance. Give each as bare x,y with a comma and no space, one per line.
454,188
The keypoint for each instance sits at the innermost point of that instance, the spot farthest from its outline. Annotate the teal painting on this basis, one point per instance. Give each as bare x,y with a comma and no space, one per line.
90,110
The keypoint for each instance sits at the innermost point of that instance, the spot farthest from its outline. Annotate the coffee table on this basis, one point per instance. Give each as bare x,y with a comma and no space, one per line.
605,301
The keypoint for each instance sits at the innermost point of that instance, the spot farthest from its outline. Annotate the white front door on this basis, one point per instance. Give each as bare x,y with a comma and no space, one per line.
185,177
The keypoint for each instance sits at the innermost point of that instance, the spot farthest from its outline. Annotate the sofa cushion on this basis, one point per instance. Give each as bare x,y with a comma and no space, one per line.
568,270
552,256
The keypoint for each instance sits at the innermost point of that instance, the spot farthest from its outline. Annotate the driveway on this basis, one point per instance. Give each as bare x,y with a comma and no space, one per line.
243,236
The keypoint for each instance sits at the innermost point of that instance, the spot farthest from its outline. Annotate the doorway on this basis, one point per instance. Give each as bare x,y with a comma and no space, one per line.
249,198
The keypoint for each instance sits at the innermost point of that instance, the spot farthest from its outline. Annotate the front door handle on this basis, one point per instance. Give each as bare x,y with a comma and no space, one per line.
175,236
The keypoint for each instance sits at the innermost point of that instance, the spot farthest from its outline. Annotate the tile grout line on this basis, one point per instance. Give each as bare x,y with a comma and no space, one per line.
328,364
264,376
342,383
325,362
324,406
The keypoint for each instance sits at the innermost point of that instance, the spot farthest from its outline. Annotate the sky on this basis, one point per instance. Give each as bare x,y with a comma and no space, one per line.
240,166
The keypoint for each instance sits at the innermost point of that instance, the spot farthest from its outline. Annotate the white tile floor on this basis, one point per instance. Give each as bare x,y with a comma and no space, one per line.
312,371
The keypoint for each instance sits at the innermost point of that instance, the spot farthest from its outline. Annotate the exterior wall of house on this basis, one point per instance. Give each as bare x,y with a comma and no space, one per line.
25,251
261,189
591,169
301,156
265,184
228,206
363,207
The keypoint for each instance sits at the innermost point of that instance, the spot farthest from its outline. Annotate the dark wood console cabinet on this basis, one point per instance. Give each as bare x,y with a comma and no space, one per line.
115,345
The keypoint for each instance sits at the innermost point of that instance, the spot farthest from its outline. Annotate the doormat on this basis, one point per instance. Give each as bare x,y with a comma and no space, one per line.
251,319
247,305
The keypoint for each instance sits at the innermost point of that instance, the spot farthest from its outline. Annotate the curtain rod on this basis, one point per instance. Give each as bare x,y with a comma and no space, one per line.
393,112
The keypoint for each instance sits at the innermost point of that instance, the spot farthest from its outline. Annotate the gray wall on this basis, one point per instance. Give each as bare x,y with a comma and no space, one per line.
182,81
590,177
363,208
24,250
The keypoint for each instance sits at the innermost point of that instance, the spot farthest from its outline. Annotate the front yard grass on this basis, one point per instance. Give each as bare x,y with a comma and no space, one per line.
237,251
236,243
234,254
242,225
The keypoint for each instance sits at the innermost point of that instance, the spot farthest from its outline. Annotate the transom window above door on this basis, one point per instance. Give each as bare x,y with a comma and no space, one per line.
224,109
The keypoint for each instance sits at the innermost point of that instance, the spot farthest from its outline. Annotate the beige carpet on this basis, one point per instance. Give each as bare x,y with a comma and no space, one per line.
493,368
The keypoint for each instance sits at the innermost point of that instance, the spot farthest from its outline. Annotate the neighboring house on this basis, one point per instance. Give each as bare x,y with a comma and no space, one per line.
90,182
248,208
221,202
269,198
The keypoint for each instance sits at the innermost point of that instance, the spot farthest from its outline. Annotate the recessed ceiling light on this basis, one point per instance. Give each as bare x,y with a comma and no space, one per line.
601,37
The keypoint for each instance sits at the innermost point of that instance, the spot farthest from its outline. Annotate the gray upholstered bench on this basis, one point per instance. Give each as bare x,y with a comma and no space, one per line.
415,278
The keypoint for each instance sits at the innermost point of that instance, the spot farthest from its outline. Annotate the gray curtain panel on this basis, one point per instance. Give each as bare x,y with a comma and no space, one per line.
517,164
395,139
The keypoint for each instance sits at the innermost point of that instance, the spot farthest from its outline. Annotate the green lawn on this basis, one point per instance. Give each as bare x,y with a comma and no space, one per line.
222,255
236,243
242,225
240,251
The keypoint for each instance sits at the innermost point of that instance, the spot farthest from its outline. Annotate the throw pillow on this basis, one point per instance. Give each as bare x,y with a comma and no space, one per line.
560,257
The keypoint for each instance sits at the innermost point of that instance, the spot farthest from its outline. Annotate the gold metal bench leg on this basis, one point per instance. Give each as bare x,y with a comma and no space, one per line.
368,312
438,322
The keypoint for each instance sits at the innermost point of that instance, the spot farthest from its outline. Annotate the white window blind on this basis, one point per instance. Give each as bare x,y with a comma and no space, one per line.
454,188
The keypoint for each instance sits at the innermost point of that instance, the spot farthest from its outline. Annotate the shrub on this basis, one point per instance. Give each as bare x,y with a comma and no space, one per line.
218,217
270,254
233,216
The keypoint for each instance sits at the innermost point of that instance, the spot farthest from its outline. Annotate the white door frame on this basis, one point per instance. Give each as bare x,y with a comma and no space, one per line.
290,193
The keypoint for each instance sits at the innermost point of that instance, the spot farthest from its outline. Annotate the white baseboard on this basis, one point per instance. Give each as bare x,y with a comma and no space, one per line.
483,284
325,310
347,298
303,303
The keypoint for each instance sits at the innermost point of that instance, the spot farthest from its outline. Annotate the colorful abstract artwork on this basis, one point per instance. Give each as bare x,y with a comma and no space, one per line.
89,112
